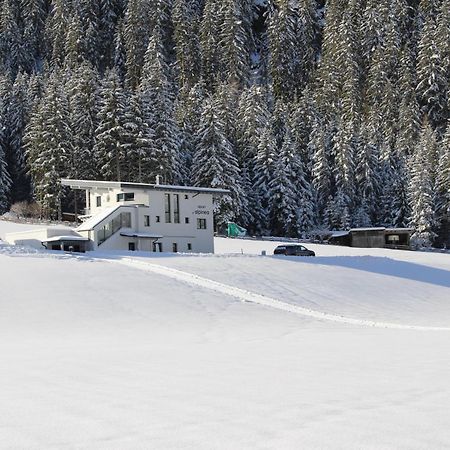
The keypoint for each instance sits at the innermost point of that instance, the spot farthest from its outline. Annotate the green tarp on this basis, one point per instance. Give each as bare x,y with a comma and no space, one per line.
234,230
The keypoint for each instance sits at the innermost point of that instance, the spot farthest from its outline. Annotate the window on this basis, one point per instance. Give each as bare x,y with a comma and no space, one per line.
99,201
125,197
201,224
131,246
186,220
126,219
175,247
146,221
157,219
123,220
176,208
189,246
167,207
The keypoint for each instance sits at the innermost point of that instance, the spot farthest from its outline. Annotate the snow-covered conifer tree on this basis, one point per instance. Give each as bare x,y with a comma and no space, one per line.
156,91
110,134
215,164
49,147
420,190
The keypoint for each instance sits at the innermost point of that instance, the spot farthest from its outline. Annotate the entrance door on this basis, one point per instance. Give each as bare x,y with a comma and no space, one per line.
131,246
157,247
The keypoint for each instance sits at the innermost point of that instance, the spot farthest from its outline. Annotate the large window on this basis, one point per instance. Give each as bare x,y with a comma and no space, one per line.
123,220
201,224
176,208
125,197
167,208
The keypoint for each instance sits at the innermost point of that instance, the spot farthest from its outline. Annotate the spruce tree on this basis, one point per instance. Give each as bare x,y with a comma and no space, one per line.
420,189
264,168
215,164
442,189
49,147
110,134
156,91
432,75
187,44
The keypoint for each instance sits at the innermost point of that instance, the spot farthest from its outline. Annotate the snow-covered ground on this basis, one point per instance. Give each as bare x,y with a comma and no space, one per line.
348,350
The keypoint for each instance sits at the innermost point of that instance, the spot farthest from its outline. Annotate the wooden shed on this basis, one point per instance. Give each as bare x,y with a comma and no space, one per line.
373,238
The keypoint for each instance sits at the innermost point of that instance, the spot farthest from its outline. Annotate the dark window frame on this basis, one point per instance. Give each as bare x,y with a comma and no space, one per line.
125,197
201,224
167,209
176,208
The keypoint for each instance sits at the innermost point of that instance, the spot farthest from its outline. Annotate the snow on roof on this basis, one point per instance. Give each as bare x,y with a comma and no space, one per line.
95,220
87,184
140,235
65,238
399,230
339,233
368,229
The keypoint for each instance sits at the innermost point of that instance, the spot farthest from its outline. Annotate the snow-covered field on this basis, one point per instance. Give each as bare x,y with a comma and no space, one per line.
348,350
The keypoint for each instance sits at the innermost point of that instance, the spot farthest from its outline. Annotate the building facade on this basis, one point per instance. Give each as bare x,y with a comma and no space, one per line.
137,217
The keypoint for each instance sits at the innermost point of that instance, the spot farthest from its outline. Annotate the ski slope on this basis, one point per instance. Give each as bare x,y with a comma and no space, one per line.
348,350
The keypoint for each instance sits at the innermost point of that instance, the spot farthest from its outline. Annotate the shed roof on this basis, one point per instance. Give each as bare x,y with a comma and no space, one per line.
66,238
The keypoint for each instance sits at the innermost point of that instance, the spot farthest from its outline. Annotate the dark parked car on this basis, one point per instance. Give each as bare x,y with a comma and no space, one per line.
293,250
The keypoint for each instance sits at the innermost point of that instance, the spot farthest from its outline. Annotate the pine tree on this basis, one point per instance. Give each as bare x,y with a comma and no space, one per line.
442,189
141,153
110,134
236,40
17,114
158,106
432,78
135,39
5,180
210,41
34,17
420,188
252,121
264,168
49,147
215,164
82,92
57,30
11,40
320,147
187,43
292,38
291,209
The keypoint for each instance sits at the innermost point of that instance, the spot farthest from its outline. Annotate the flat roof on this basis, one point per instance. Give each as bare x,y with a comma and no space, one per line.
89,184
66,239
367,229
399,230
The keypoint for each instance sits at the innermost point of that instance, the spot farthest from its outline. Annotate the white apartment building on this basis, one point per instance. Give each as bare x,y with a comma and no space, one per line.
137,217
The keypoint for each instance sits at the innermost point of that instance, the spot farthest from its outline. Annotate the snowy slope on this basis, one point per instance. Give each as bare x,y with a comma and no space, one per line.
111,352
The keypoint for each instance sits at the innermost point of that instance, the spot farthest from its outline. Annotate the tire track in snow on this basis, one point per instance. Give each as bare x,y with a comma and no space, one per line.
252,297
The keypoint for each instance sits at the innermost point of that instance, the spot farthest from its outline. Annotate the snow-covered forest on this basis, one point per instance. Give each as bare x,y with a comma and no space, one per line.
314,115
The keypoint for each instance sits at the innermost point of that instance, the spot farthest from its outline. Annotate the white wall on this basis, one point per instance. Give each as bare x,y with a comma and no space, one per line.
34,238
192,206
